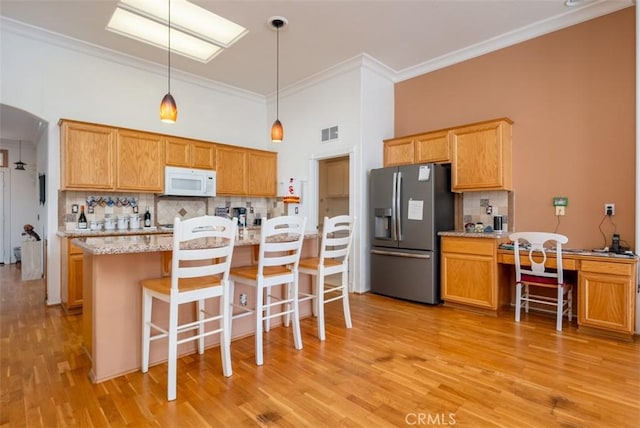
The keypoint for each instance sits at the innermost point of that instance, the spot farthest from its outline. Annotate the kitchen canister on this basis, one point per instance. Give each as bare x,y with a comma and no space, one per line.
497,223
134,221
122,223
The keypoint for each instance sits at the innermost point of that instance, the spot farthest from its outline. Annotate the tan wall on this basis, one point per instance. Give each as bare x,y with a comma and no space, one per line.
571,95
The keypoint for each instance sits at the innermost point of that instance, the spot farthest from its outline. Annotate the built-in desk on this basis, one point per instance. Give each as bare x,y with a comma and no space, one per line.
606,287
477,274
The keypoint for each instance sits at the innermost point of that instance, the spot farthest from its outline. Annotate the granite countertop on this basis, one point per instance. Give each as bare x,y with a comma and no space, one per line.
163,241
84,233
485,235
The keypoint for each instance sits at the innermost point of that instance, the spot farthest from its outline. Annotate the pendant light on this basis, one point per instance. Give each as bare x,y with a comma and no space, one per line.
168,108
20,165
277,133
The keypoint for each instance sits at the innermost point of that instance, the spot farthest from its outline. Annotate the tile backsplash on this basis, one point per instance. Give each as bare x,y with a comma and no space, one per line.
475,207
163,209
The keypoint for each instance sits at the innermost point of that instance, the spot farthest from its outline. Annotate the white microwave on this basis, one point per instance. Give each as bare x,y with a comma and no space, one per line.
189,182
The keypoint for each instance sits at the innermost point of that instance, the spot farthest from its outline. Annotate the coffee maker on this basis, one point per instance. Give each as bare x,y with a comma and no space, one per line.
241,214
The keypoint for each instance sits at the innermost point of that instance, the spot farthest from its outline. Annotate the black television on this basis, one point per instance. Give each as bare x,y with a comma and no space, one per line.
42,188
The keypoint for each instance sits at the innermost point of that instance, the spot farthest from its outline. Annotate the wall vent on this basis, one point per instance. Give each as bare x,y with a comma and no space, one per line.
329,134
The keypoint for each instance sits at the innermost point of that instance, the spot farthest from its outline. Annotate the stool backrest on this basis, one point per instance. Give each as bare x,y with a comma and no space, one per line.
202,246
337,236
536,245
281,242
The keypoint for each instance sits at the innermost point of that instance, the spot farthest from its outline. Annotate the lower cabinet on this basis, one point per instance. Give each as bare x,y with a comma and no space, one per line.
606,296
71,276
469,272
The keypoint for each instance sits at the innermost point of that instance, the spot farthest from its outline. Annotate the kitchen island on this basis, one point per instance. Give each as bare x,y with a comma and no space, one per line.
112,308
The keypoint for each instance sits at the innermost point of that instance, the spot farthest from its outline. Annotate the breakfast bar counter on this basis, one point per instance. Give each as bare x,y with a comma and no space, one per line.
113,268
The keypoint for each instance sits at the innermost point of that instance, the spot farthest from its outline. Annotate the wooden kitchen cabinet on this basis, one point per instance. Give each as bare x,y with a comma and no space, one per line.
87,156
433,147
337,175
231,170
139,161
482,156
430,147
469,273
188,153
262,173
399,151
71,277
606,296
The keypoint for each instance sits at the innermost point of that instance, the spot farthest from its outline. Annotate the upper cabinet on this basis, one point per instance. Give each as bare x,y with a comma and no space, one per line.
246,172
433,147
231,170
139,161
421,148
262,173
482,156
399,151
190,153
100,157
87,154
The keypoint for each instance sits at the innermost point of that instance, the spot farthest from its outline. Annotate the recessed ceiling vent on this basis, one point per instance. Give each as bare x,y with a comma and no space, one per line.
329,134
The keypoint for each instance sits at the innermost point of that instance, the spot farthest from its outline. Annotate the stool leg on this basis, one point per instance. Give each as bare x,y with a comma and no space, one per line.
320,303
259,324
225,335
297,337
147,301
518,301
201,316
560,309
173,351
267,309
345,298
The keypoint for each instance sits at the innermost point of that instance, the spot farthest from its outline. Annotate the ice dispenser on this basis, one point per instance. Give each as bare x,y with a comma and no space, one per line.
382,223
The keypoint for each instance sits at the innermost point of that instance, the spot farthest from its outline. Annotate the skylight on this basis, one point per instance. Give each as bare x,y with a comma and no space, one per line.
195,32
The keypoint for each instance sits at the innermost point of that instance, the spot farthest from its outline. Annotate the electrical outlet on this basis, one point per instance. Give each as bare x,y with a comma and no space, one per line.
609,209
559,210
243,299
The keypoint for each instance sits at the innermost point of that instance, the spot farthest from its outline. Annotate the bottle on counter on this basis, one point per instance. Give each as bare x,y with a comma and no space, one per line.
147,218
82,220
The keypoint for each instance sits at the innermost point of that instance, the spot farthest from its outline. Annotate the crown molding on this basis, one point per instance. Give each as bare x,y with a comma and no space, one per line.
72,44
571,17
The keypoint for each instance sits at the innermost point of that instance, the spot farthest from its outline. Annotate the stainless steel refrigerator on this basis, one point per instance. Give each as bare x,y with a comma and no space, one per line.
409,205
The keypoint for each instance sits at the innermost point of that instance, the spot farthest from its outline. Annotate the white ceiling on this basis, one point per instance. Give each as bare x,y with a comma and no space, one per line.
409,37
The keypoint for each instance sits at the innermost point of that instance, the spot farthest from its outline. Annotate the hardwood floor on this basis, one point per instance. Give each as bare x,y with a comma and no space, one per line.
402,364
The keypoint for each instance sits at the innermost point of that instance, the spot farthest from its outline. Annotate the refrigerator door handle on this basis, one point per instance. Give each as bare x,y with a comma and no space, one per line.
399,254
399,206
394,219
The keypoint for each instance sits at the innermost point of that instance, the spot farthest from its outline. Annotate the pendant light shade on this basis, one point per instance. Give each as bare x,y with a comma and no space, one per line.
20,165
168,107
277,132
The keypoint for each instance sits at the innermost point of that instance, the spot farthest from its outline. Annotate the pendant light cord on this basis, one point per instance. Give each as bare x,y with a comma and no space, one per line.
169,51
278,72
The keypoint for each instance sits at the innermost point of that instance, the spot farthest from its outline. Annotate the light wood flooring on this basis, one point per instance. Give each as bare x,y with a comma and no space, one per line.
402,364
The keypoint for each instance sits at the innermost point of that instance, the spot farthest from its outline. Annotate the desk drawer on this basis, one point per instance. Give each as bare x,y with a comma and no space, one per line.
567,264
477,246
608,267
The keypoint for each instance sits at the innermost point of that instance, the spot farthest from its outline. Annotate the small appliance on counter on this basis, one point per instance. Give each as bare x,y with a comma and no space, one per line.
241,214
